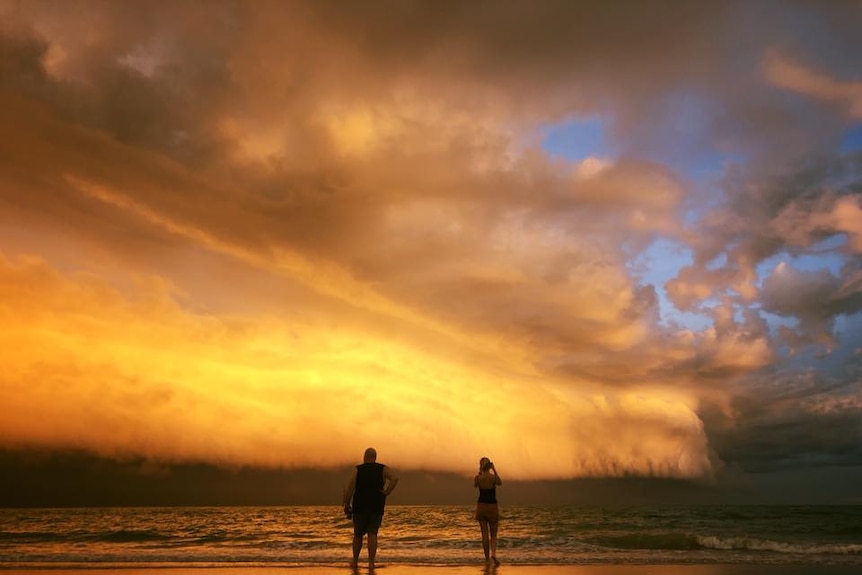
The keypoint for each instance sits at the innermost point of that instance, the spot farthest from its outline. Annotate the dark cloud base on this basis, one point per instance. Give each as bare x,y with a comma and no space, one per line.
31,478
166,143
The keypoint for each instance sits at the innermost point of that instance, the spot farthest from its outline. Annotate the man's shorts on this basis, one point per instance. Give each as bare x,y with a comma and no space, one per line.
487,512
366,523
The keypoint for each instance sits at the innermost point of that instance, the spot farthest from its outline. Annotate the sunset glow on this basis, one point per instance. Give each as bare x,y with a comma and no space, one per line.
214,249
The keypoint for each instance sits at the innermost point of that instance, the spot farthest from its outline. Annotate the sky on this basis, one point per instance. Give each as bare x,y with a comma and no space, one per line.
595,241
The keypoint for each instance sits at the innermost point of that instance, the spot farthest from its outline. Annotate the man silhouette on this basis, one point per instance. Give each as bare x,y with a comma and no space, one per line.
368,487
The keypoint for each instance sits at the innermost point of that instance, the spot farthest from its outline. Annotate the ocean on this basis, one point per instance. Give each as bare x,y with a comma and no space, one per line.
430,535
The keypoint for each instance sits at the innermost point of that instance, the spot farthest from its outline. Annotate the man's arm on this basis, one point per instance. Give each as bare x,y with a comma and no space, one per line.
348,490
391,478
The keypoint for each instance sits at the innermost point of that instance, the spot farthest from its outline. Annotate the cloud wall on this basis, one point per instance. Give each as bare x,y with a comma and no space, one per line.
267,234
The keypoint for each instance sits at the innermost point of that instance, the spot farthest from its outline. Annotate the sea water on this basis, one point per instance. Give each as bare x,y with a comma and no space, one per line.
430,535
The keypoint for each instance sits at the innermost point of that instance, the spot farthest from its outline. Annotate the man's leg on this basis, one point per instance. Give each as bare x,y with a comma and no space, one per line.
357,547
372,548
360,529
373,525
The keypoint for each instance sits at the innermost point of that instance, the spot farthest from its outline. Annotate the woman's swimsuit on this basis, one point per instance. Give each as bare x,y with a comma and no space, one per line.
486,507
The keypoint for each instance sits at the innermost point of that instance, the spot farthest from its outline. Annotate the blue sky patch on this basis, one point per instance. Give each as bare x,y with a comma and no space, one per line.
852,141
576,139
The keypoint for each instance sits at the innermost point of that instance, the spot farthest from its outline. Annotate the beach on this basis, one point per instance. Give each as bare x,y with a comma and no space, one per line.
479,569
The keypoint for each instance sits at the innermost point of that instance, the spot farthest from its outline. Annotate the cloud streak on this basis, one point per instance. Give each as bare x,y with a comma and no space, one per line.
272,235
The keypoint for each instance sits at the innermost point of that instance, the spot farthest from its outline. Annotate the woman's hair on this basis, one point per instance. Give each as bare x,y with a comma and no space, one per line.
484,464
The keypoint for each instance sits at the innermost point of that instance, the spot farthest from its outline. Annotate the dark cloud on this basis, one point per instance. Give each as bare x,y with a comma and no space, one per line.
75,479
822,433
164,78
814,299
807,414
279,156
787,215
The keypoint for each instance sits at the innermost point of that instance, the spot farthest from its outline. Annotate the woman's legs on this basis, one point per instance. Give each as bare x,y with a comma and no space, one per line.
483,524
493,542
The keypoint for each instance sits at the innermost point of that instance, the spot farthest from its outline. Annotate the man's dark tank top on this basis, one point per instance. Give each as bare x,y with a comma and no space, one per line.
488,495
368,496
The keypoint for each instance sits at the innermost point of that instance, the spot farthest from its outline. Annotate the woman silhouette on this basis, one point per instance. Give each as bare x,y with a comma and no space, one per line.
487,512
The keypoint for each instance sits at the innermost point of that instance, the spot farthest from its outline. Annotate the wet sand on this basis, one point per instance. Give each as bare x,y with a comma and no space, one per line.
479,569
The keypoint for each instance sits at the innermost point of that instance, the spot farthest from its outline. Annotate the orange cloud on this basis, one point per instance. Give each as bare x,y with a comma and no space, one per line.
251,234
90,368
782,71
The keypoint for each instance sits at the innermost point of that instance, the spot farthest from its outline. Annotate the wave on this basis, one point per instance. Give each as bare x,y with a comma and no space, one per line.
130,536
32,536
119,536
659,541
685,542
754,544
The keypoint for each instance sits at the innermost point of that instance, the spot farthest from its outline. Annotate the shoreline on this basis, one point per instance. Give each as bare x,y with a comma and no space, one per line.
443,569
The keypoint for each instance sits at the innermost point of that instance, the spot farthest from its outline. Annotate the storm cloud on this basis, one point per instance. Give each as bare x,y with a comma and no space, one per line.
271,234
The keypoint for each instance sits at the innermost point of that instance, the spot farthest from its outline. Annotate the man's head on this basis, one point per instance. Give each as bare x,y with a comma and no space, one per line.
370,455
